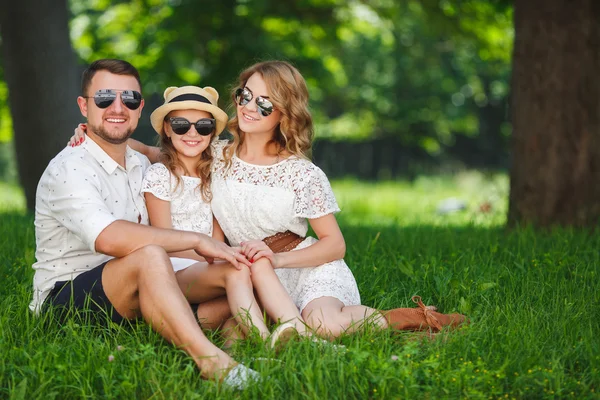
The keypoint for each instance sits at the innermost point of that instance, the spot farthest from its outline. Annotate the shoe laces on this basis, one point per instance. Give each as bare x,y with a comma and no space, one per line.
429,317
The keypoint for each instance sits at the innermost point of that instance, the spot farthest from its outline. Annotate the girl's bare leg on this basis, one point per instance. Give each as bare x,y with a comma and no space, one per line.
274,298
201,282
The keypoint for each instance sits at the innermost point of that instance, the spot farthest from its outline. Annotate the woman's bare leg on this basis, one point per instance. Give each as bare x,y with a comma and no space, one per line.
329,317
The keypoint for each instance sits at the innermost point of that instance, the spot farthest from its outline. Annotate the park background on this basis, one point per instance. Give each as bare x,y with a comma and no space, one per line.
462,140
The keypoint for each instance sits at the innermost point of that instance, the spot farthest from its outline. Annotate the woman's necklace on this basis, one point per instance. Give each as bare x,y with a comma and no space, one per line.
278,154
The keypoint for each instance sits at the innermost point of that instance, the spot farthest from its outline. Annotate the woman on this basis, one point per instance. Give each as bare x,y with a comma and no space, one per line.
264,186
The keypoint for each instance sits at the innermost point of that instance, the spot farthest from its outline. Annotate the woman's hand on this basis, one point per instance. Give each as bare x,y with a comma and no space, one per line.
256,249
78,136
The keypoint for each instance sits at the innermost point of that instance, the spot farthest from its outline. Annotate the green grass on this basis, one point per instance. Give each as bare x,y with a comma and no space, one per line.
532,298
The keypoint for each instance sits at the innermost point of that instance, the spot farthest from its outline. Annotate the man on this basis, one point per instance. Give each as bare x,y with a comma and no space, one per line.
94,248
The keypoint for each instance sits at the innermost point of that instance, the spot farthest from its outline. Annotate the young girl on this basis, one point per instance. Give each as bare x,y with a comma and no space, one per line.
264,185
178,194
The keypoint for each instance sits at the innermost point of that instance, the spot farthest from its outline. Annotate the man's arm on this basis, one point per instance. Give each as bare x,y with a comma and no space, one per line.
77,203
152,152
123,237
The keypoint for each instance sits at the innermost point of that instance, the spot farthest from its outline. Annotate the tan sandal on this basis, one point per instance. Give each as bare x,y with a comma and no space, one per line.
421,318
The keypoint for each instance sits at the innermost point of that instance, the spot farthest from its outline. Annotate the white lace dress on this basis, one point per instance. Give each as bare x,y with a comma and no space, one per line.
254,202
189,212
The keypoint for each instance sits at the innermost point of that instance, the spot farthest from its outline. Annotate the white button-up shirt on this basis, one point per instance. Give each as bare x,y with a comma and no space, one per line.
81,192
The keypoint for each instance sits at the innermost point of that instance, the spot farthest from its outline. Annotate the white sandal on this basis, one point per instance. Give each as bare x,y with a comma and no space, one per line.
282,335
240,377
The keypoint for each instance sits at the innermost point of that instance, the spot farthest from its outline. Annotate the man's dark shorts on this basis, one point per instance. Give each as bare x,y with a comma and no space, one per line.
84,294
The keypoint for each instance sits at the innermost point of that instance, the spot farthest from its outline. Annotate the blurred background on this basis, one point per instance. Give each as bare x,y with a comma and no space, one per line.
397,88
400,89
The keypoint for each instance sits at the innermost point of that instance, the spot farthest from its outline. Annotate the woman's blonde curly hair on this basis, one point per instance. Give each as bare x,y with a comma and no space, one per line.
168,157
289,94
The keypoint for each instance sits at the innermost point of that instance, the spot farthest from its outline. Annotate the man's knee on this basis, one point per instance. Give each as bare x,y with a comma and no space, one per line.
151,258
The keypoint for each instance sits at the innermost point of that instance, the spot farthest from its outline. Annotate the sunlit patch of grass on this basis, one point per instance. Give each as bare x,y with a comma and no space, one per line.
414,203
11,197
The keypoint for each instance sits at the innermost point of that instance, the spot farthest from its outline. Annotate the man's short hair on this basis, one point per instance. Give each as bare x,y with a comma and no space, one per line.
114,66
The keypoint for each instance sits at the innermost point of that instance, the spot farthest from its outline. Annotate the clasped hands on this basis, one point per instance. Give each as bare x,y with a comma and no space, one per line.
246,254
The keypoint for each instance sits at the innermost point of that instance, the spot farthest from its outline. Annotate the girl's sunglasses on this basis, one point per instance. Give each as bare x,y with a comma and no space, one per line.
180,125
243,96
105,97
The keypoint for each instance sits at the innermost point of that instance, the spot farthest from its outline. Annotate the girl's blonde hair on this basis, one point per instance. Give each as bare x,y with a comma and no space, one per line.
289,94
168,157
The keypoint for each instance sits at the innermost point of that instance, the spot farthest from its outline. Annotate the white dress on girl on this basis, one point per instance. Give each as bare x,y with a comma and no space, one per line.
189,212
255,201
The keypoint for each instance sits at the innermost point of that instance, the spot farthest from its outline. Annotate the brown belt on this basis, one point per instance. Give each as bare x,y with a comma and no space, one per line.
283,241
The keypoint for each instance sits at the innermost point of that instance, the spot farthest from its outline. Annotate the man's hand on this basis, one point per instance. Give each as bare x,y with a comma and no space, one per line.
256,249
210,249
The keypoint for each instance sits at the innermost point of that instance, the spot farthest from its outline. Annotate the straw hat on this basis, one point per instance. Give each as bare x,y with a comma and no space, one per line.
189,98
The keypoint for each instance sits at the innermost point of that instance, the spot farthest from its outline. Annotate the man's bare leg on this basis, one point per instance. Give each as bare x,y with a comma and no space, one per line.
143,283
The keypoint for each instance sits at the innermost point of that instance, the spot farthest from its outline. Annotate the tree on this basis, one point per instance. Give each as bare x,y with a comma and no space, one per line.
42,78
556,114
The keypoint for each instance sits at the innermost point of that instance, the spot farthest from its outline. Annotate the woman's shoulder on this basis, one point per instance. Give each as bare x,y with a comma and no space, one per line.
304,172
303,165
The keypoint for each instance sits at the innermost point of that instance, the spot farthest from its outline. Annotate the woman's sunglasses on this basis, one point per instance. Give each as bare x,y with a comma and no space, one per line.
105,97
243,96
180,125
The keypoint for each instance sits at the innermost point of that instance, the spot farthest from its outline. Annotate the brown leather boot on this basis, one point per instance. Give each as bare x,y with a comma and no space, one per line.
420,319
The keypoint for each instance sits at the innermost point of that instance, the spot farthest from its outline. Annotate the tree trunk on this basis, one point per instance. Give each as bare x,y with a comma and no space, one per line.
555,172
43,82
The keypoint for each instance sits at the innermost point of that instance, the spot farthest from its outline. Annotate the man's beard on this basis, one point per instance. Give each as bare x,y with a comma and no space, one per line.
104,135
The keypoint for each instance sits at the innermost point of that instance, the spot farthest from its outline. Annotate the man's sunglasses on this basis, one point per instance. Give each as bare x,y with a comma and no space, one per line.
180,125
105,97
243,96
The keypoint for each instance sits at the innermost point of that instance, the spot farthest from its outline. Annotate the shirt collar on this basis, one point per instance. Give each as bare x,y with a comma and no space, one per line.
105,160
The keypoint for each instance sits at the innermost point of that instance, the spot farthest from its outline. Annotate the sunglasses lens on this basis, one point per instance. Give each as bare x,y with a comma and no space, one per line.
243,96
264,106
205,126
104,97
180,125
132,99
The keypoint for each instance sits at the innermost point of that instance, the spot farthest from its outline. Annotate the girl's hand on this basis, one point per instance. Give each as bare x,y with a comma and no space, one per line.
78,136
210,249
256,249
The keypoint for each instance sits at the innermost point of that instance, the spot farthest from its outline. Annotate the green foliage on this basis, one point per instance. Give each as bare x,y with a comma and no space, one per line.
5,118
533,311
420,70
431,73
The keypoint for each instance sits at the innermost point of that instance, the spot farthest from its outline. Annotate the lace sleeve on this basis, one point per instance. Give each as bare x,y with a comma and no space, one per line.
158,182
314,196
217,147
